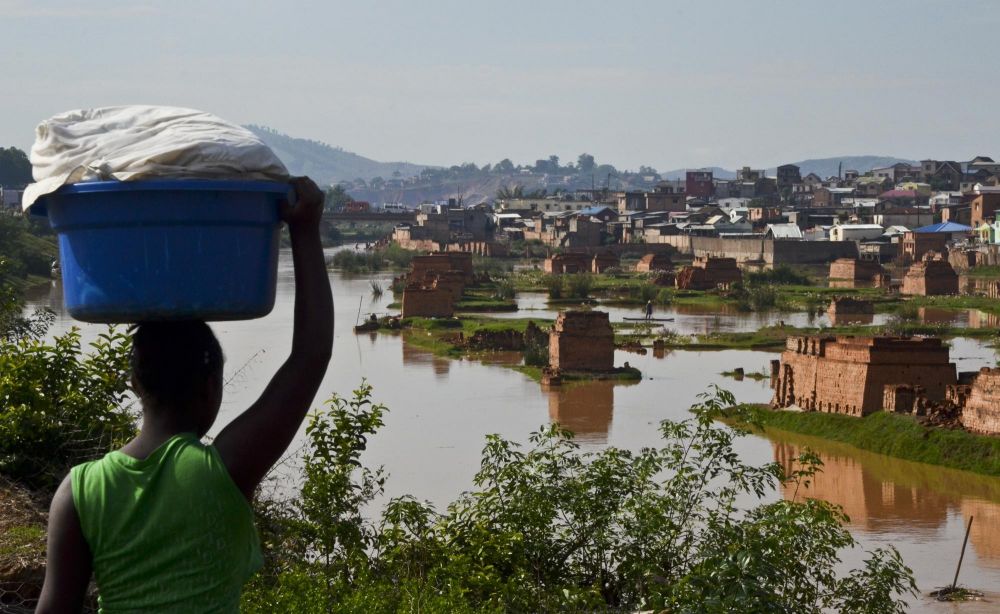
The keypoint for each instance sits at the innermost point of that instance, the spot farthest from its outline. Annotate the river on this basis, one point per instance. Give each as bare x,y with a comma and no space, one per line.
441,409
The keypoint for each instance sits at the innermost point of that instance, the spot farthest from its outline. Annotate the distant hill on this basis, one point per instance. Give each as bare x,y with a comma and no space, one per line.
681,173
827,167
824,167
327,164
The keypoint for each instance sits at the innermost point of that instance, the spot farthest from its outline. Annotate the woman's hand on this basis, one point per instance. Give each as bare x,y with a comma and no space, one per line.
308,207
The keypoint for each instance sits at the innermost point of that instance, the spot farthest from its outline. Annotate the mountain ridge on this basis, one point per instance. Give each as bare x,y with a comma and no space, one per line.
327,164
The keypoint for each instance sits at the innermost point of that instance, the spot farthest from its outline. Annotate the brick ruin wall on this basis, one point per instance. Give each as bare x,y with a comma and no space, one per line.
849,306
654,262
848,375
427,302
567,263
930,278
981,411
448,261
706,273
582,341
851,269
452,281
604,261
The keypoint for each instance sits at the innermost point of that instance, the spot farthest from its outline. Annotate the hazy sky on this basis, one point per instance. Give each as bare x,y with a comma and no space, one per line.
668,84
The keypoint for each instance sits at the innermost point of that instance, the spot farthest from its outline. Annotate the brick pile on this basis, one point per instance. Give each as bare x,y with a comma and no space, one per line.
567,263
435,282
848,375
931,276
981,412
854,273
707,273
654,262
442,261
582,341
603,261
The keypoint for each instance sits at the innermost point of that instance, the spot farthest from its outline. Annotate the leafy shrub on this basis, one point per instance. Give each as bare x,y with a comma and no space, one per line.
578,285
492,267
550,528
782,275
754,298
393,256
504,289
554,286
536,353
60,405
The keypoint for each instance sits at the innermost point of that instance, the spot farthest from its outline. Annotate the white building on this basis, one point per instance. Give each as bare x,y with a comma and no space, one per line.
855,232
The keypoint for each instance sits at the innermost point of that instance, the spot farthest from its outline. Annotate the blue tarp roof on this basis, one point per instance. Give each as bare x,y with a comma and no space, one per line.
945,227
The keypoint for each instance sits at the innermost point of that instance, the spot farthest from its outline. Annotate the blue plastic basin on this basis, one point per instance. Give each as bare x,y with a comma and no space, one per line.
167,250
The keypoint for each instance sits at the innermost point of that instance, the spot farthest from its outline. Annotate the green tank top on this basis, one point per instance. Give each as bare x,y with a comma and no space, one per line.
169,533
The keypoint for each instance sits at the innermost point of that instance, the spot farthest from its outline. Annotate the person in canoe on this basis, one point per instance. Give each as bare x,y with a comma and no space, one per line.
649,309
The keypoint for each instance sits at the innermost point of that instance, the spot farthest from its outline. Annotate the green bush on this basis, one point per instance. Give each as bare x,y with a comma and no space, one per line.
393,256
554,286
753,298
550,528
504,289
665,296
782,275
578,285
61,406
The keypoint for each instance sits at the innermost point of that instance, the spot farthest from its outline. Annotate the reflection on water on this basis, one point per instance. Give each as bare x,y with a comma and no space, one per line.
882,494
586,408
687,319
415,356
848,319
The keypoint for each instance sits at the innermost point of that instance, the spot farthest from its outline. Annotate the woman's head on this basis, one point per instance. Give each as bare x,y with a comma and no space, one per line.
177,366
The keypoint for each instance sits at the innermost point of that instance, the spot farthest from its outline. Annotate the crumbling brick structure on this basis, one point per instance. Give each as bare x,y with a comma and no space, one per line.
427,301
901,398
930,277
708,272
567,263
854,273
848,375
654,262
582,341
981,410
847,310
442,261
603,261
452,280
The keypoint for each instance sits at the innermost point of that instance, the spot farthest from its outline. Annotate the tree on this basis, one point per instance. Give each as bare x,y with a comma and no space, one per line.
504,167
506,192
336,198
15,168
680,527
585,163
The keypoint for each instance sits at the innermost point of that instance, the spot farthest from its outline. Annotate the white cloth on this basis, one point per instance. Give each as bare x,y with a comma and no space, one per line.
141,142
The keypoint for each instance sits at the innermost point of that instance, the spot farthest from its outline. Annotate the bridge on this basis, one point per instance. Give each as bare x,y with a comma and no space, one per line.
370,216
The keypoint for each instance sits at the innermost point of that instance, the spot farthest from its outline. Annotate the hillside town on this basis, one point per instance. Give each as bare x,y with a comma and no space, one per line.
893,214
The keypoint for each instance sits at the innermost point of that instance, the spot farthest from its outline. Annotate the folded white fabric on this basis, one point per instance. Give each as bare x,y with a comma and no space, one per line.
142,142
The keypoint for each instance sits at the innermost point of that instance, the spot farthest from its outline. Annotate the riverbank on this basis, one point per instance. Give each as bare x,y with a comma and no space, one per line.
893,435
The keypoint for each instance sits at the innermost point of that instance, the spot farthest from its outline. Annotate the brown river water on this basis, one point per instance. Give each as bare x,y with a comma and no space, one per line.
441,409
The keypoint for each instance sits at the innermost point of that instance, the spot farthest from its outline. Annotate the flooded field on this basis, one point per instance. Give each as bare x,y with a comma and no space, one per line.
441,409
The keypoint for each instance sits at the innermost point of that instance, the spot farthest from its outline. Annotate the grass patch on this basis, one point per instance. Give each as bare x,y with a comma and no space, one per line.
984,271
23,540
894,435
